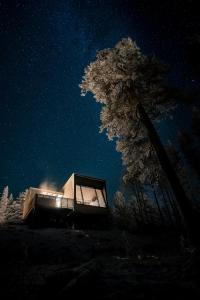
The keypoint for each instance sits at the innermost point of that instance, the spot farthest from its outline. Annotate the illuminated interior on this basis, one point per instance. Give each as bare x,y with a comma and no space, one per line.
54,199
89,196
58,200
49,193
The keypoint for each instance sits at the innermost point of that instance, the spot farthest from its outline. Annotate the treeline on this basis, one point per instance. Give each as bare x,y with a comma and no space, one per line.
147,207
11,208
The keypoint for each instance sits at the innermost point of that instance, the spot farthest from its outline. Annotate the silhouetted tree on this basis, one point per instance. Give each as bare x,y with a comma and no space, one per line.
120,211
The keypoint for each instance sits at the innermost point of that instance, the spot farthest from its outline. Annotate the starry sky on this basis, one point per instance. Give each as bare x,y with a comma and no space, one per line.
47,130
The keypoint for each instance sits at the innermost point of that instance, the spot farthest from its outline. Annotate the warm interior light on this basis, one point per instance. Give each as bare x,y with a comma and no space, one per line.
89,196
58,201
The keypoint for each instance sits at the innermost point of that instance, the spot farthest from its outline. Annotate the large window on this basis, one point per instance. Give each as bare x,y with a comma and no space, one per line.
100,198
89,196
79,197
58,200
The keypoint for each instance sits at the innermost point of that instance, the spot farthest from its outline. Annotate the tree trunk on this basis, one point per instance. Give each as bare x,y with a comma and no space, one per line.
139,203
169,214
184,203
159,208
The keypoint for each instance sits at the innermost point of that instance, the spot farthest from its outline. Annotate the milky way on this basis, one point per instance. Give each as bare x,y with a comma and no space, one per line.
47,130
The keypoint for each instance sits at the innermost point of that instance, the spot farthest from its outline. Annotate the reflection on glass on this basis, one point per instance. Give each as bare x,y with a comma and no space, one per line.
79,197
89,196
64,203
101,198
58,201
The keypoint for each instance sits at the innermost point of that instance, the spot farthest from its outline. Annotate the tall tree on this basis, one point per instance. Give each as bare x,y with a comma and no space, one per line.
130,86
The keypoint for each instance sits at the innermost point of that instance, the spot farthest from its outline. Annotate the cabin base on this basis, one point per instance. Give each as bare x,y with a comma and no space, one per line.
39,217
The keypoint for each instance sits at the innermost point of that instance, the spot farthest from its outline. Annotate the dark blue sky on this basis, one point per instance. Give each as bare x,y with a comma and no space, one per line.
47,130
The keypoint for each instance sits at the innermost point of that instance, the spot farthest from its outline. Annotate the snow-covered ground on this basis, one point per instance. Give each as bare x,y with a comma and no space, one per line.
59,263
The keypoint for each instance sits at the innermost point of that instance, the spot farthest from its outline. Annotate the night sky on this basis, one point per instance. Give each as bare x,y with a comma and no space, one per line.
47,130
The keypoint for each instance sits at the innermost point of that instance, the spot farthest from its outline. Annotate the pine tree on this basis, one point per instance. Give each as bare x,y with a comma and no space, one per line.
3,205
130,86
15,208
11,198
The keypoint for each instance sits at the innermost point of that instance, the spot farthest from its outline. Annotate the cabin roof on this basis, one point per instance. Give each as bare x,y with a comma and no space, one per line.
80,180
87,181
89,177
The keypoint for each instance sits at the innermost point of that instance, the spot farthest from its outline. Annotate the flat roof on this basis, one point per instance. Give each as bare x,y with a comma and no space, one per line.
87,181
89,177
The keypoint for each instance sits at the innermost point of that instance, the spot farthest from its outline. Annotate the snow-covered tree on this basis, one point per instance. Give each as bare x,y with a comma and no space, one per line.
120,78
4,205
10,208
130,86
21,197
15,208
11,198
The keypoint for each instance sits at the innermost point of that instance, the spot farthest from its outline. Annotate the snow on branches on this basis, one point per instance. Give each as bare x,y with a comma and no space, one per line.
11,209
120,78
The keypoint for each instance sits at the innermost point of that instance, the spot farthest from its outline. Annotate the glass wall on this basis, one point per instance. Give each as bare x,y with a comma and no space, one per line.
89,196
